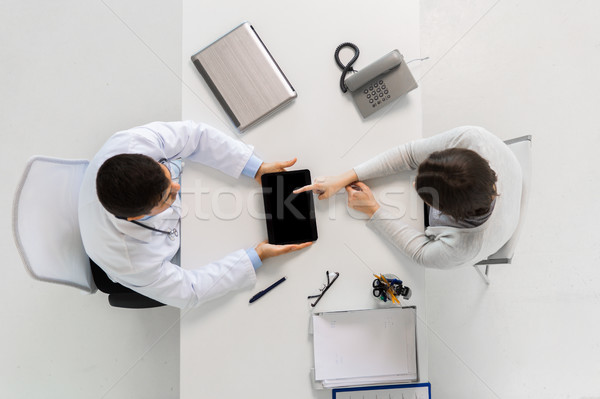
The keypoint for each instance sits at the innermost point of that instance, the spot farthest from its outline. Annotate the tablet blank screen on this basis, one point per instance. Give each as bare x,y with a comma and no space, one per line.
290,217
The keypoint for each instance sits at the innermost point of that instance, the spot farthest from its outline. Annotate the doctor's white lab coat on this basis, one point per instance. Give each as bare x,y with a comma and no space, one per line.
139,258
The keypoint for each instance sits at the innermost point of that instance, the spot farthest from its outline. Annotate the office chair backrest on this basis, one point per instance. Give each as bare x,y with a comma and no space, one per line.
45,223
521,147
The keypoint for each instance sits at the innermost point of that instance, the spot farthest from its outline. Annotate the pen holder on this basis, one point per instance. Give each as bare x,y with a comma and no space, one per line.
388,287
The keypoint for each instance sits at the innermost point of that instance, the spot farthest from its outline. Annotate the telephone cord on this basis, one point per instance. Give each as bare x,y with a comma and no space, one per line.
348,67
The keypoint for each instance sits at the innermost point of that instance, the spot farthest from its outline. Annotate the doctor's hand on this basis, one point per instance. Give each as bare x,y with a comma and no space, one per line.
360,197
327,186
272,167
266,250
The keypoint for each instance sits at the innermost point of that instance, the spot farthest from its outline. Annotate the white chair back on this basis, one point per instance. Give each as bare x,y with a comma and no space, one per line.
45,222
521,147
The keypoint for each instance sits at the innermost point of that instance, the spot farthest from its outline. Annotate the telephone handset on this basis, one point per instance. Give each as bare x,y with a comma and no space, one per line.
379,83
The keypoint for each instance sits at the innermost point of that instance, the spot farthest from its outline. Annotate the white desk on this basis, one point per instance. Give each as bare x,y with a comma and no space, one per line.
230,348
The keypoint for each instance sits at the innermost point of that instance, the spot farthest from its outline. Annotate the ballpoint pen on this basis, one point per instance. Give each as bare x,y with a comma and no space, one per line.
269,288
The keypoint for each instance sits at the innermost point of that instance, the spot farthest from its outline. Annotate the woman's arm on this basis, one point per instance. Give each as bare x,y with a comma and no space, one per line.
327,186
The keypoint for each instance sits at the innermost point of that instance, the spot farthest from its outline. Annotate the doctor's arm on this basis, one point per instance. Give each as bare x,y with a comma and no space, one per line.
192,285
272,167
207,145
265,250
197,142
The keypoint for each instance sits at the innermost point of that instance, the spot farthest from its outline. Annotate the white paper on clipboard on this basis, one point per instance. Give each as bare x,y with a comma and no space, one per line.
365,345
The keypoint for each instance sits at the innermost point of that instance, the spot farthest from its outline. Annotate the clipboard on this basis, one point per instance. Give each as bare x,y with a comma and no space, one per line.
408,391
365,347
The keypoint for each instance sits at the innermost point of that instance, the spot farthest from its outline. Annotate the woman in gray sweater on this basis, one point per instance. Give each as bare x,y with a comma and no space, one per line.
469,178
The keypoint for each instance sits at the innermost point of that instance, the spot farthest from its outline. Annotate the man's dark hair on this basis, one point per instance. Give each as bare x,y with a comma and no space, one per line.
130,185
458,182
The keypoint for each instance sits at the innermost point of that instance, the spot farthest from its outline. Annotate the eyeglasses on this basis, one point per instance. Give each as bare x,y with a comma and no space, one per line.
325,287
174,167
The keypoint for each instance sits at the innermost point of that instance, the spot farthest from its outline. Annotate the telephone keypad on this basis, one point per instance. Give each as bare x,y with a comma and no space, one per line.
377,93
383,90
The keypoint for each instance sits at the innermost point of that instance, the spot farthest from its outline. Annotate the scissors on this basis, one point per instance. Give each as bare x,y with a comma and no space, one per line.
385,289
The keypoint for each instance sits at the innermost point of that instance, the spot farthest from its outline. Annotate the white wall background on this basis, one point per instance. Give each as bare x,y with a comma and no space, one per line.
74,72
522,67
71,74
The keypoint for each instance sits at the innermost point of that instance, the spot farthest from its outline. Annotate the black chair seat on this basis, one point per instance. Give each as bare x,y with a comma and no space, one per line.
118,295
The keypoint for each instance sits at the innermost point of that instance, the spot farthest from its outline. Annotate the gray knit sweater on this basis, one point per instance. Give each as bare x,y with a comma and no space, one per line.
445,247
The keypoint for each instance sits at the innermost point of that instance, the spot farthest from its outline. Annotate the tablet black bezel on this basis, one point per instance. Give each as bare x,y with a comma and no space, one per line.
275,225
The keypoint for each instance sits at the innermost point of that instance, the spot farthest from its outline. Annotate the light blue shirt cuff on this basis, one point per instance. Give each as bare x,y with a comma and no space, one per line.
252,166
254,258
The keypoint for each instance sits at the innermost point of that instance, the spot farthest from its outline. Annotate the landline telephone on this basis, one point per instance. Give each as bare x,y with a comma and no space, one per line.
379,83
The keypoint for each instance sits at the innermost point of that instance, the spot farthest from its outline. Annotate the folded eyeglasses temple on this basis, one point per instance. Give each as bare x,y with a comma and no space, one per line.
329,284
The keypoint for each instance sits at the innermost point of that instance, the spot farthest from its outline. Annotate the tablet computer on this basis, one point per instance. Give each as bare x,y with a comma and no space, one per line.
290,217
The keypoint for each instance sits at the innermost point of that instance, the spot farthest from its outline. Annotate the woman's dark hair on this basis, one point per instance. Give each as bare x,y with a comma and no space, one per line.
458,182
130,184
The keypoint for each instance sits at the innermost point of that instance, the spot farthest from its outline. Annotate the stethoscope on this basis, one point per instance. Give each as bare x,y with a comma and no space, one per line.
172,234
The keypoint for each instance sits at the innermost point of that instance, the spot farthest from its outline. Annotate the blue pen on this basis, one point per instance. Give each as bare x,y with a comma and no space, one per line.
269,288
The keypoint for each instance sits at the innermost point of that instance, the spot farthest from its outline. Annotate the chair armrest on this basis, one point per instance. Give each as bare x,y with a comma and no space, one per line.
494,261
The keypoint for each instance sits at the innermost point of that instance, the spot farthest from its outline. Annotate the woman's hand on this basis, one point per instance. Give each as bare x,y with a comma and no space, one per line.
360,197
272,167
327,186
266,250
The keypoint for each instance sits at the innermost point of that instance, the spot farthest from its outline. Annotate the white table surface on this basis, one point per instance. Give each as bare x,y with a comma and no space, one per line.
230,348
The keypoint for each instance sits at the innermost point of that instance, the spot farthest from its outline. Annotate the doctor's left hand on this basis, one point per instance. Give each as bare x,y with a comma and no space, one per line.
266,250
272,167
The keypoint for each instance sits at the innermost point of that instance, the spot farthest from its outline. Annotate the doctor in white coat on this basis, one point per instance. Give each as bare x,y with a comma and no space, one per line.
135,244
